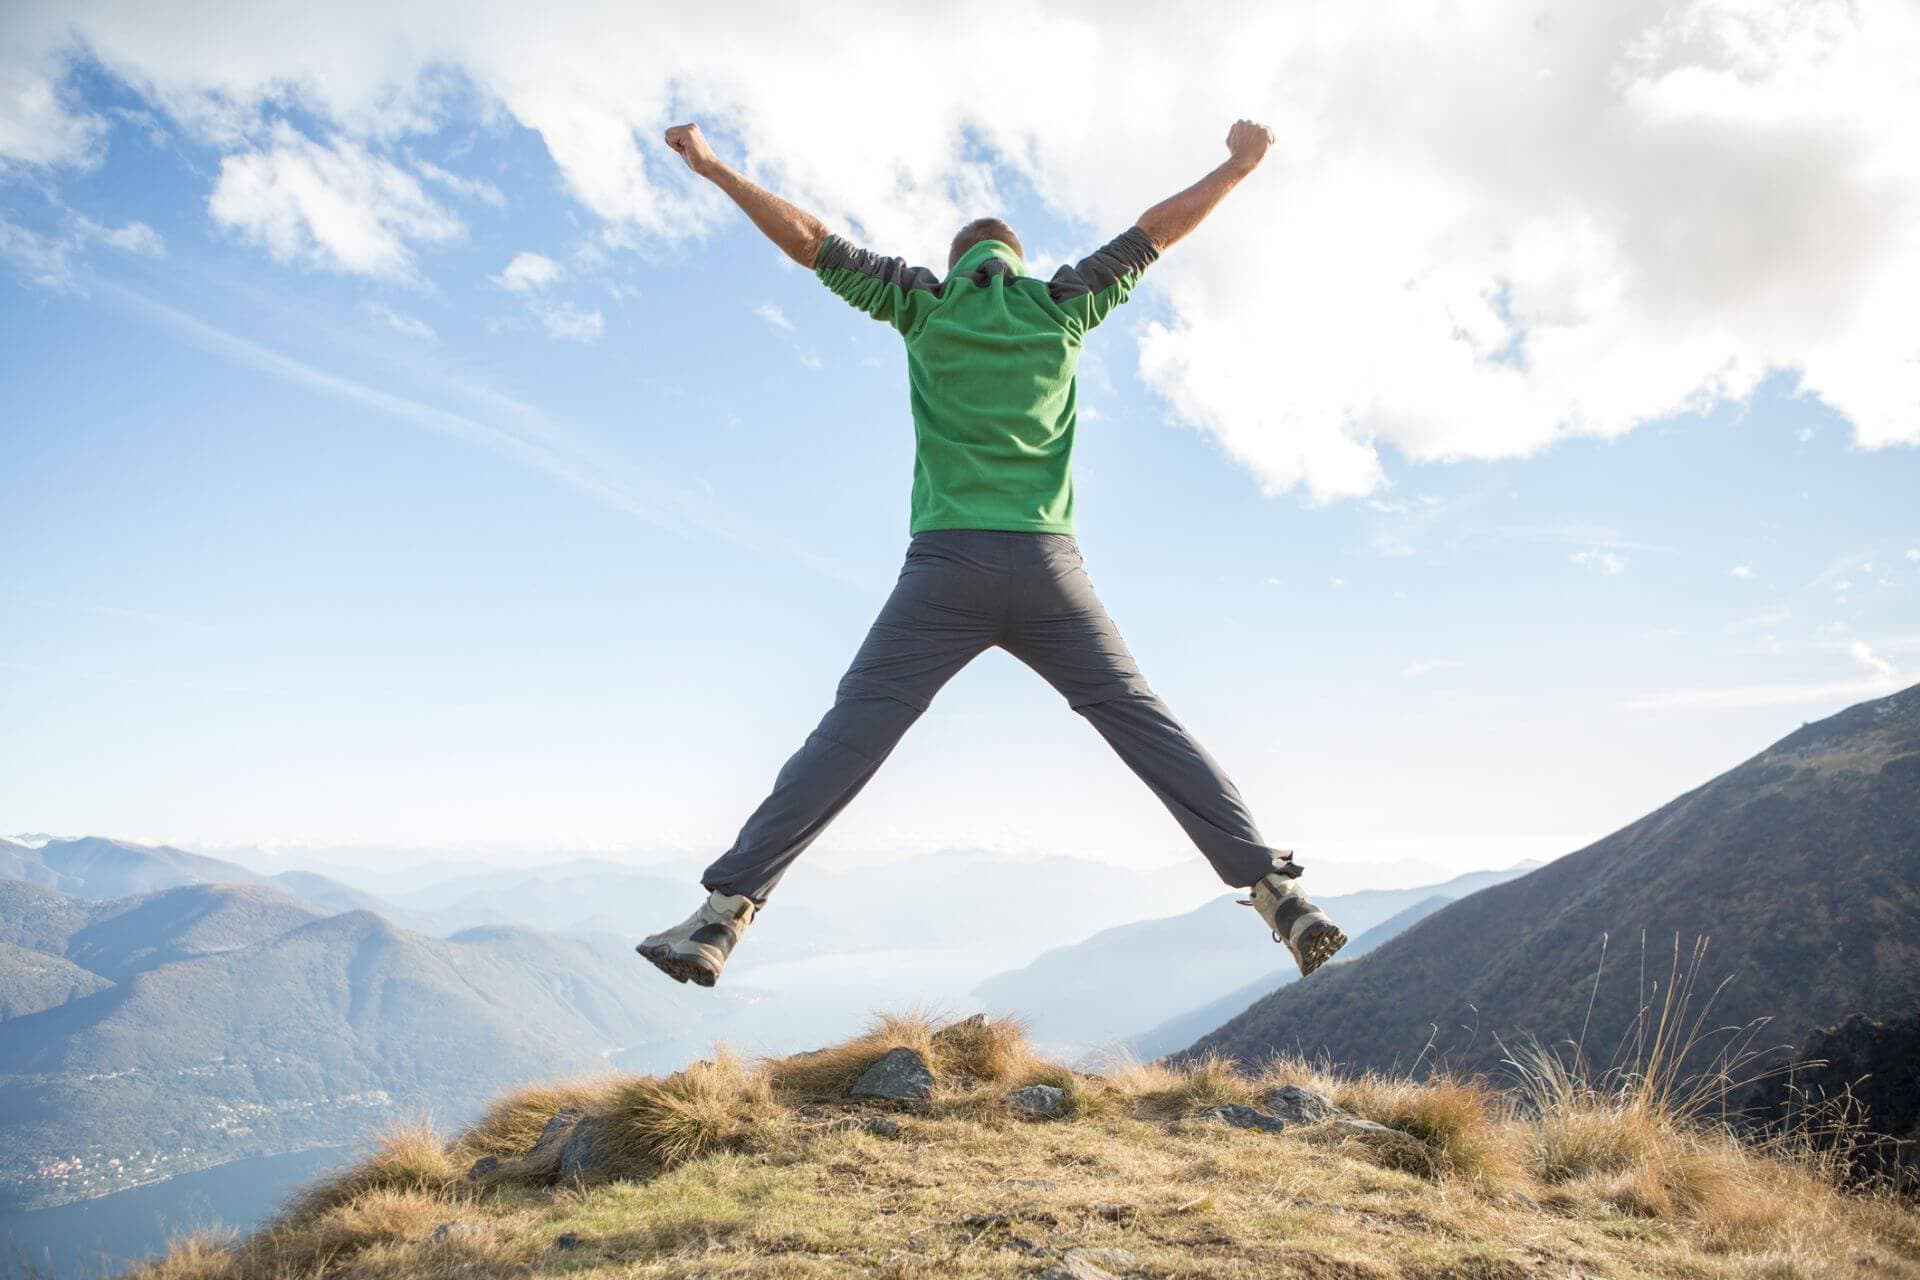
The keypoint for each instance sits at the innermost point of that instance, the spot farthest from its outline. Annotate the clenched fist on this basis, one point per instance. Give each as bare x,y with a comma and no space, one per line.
692,146
1247,143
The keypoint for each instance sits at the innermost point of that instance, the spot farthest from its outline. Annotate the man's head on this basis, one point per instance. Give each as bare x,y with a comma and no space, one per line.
983,229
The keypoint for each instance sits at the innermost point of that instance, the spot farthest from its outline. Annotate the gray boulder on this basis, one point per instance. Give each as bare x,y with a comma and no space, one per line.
1043,1100
1295,1105
901,1076
482,1167
456,1230
588,1149
1238,1117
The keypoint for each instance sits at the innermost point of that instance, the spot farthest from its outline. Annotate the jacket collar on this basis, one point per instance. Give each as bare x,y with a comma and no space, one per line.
971,260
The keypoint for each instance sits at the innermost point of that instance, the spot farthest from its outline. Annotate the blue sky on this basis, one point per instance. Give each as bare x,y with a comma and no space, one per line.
307,551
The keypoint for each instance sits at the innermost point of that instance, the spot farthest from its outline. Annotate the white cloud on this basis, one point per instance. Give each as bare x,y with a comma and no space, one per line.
1913,553
133,237
48,260
1427,666
1607,562
1865,658
471,188
334,205
1742,571
773,315
1479,231
400,322
568,323
530,272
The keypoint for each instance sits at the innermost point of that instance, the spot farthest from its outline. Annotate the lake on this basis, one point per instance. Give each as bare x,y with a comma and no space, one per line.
71,1240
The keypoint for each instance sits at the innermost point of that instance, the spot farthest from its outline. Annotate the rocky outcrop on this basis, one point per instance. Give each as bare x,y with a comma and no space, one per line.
902,1075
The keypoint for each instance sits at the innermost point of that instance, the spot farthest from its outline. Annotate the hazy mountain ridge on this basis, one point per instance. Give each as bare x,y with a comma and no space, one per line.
220,1021
97,867
1183,1029
1126,980
1801,866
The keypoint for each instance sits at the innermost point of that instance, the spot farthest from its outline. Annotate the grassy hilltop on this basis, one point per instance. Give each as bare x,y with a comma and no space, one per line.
731,1168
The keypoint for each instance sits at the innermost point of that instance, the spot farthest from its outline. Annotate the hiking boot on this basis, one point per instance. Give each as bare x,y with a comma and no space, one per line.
697,949
1295,921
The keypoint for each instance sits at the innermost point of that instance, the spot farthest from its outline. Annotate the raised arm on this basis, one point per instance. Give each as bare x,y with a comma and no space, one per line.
1171,219
798,233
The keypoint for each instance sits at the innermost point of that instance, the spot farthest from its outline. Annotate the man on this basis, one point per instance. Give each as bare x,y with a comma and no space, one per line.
991,353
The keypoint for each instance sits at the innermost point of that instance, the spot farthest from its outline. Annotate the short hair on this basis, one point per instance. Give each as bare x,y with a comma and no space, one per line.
983,229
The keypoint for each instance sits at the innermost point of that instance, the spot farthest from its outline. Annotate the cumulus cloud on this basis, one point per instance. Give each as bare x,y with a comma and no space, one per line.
1742,571
530,273
773,315
330,204
1481,230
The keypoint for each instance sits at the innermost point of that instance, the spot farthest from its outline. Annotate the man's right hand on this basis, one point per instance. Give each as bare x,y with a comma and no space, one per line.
1247,143
692,146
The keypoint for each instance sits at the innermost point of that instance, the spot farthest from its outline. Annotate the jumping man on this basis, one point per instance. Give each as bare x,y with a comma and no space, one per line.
991,353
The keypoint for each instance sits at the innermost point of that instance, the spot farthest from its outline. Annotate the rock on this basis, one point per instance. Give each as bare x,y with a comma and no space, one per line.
965,1027
556,1128
1359,1128
881,1126
1295,1105
455,1230
901,1076
1042,1100
482,1167
1089,1264
568,1241
1239,1117
1113,1211
588,1149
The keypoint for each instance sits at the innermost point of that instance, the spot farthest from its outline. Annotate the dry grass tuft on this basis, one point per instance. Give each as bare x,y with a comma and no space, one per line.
198,1257
312,1244
1458,1124
510,1125
830,1072
993,1051
408,1160
720,1105
1163,1091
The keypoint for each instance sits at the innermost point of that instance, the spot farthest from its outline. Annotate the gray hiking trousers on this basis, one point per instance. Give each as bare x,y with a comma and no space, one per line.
960,591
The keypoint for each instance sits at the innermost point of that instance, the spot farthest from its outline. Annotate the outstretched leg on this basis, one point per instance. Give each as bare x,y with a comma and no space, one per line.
1063,632
944,609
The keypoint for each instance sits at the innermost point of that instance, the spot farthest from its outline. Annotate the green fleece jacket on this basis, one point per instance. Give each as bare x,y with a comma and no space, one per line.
991,354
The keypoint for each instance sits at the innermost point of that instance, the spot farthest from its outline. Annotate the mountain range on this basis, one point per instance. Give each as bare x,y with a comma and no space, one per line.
1798,871
1125,981
155,1033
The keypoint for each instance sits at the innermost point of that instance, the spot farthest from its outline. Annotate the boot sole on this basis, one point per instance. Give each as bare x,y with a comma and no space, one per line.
1320,944
677,967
